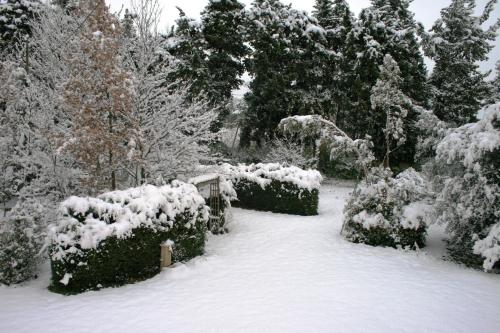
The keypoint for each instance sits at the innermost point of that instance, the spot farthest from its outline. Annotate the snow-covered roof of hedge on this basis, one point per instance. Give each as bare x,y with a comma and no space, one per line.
85,222
264,173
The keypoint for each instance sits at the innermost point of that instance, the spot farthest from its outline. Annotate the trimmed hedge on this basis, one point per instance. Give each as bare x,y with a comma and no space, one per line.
277,197
115,239
120,261
275,187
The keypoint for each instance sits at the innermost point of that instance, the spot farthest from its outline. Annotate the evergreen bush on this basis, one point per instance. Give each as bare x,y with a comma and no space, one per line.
22,236
387,211
276,188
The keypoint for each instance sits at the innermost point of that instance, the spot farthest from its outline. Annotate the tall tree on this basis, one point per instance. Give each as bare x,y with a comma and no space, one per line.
189,63
457,42
98,95
387,27
286,62
222,23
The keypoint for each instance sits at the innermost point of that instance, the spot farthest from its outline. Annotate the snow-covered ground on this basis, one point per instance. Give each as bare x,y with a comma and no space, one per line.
277,273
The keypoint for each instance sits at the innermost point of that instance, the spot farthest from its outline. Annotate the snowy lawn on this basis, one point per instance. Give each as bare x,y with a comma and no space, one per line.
277,273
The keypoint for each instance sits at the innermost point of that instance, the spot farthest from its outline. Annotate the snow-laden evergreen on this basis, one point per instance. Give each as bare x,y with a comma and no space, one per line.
468,202
15,16
457,42
388,98
388,211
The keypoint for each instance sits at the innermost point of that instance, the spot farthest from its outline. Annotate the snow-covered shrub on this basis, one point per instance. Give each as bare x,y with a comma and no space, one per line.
334,148
287,151
387,211
115,239
22,236
469,199
341,157
275,187
227,194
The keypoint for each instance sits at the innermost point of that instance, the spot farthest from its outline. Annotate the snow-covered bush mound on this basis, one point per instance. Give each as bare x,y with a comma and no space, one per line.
227,194
275,187
469,201
22,236
387,211
115,238
263,174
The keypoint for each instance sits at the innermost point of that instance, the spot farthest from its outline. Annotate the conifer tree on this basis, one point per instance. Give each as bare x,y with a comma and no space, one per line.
222,23
457,42
186,45
323,12
287,65
387,27
14,23
98,96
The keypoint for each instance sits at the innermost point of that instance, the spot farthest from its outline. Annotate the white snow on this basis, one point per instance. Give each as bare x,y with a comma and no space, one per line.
119,212
277,273
264,173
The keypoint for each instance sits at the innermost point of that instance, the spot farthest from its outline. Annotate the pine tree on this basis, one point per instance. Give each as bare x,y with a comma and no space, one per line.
190,67
98,95
323,12
222,23
287,65
388,27
15,16
457,42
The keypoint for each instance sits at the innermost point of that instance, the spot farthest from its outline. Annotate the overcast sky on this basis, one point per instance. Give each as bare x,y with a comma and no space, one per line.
426,11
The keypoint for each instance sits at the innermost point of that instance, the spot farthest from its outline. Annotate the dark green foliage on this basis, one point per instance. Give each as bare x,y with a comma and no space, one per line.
277,197
223,39
14,25
374,214
376,34
289,69
457,43
120,261
393,237
190,67
343,167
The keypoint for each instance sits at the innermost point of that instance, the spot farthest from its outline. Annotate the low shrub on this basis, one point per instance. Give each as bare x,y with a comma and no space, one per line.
22,236
115,239
387,211
276,188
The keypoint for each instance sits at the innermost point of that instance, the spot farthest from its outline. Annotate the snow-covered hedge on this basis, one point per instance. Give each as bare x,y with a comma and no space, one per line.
115,239
227,193
469,200
387,211
275,187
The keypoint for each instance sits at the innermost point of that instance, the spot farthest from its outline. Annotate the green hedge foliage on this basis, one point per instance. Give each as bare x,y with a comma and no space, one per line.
277,197
118,261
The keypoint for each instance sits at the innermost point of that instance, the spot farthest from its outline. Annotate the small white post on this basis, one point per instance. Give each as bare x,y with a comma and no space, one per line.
166,254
